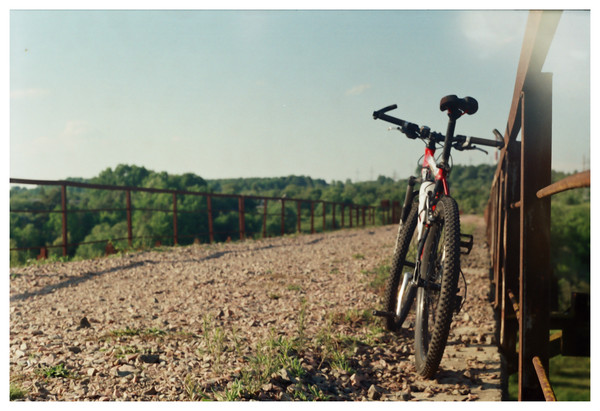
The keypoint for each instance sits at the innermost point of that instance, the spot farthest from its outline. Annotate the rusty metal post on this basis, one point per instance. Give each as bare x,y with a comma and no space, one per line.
333,216
211,233
324,213
544,381
242,217
129,225
299,216
63,202
385,212
511,246
535,270
350,215
578,180
364,210
496,247
43,253
264,225
175,234
282,216
312,217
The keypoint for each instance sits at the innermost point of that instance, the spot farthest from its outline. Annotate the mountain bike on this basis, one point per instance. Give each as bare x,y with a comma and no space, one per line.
426,260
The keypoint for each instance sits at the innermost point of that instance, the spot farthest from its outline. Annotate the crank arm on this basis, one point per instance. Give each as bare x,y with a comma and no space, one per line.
385,314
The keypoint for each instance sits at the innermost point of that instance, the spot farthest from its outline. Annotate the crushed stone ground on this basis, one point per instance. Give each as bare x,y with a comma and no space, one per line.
187,323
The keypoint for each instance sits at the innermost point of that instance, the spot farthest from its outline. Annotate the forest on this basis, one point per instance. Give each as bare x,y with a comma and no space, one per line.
152,219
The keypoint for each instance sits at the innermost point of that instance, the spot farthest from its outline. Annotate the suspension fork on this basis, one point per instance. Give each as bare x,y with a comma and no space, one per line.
408,199
416,278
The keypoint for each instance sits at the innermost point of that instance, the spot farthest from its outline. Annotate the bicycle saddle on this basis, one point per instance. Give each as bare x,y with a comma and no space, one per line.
452,103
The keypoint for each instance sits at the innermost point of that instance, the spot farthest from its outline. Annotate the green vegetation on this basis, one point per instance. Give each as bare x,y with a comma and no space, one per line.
378,276
293,360
16,392
152,219
56,371
570,242
569,377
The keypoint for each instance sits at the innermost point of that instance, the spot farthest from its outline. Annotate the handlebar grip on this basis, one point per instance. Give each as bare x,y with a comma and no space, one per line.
486,142
377,113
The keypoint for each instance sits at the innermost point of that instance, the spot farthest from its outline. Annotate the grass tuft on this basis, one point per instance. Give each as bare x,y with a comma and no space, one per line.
16,392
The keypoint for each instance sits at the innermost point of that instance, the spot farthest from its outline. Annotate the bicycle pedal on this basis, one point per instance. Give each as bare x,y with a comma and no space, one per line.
466,243
386,314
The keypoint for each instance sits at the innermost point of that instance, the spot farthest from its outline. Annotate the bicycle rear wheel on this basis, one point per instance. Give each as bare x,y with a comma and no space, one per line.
399,293
440,268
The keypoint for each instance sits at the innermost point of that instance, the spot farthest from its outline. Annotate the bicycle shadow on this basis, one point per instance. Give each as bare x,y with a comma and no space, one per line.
89,275
75,280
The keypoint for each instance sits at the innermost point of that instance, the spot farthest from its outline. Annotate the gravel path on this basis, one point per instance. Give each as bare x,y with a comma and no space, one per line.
277,319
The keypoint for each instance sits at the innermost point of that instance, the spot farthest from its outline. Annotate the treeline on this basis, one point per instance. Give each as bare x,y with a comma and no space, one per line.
470,185
570,241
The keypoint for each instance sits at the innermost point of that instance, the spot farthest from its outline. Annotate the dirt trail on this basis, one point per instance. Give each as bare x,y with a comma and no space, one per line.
276,319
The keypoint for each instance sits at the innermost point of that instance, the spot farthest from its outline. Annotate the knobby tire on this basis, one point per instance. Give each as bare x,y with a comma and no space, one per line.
440,269
404,239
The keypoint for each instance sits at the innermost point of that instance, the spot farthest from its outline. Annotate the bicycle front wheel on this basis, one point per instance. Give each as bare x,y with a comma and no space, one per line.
399,293
440,269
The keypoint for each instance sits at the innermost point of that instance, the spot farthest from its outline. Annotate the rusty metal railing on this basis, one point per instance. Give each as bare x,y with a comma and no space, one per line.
349,215
518,217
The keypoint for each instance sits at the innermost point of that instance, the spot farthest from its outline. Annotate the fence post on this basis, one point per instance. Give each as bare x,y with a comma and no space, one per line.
264,232
312,217
333,216
242,217
129,226
385,207
282,216
324,213
342,212
43,253
364,209
63,202
211,233
509,272
534,301
350,215
175,219
299,216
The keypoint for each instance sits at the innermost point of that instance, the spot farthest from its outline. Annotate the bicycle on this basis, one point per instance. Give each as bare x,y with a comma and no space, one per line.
429,241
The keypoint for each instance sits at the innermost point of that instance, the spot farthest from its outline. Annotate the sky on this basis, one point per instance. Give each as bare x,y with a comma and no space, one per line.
256,93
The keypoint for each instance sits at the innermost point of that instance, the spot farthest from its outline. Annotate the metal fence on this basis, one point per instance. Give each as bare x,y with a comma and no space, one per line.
518,226
334,215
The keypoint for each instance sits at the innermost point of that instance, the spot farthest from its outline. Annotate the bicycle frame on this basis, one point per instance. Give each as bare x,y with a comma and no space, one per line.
434,178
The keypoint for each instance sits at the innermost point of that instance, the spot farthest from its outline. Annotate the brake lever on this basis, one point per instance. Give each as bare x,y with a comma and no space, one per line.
480,149
467,146
407,131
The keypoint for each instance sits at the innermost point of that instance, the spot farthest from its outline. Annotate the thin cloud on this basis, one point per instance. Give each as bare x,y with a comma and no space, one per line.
28,93
489,31
75,128
358,90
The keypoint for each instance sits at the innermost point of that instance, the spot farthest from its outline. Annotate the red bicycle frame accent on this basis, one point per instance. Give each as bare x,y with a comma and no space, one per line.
439,174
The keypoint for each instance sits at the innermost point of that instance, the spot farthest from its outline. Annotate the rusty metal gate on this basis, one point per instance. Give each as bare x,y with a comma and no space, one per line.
518,224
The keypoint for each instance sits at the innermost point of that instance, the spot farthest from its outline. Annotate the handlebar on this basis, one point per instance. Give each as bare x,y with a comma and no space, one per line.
413,131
